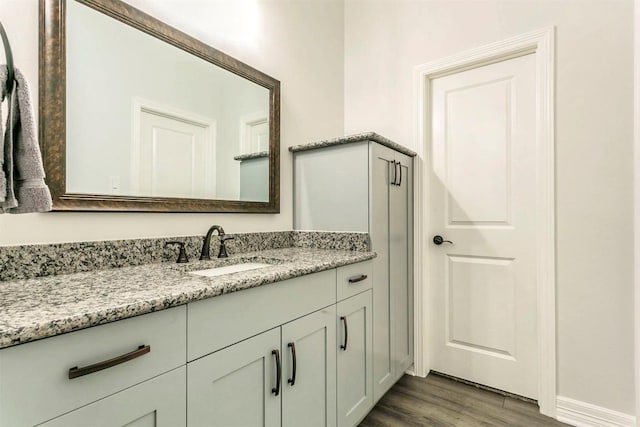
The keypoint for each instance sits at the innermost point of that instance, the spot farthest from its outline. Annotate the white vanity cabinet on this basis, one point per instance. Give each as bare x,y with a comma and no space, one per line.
36,384
252,382
368,187
270,356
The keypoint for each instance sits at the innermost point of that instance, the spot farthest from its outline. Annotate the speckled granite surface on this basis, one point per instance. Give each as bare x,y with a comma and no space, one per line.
249,156
30,261
38,308
369,136
331,240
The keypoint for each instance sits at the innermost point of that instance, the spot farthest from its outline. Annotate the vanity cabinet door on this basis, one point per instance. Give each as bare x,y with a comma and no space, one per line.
400,269
381,181
309,389
158,402
354,364
234,386
391,231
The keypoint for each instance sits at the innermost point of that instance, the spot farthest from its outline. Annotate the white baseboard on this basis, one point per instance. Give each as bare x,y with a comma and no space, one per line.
581,414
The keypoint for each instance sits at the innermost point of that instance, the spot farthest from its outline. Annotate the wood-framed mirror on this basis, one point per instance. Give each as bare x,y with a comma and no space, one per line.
136,115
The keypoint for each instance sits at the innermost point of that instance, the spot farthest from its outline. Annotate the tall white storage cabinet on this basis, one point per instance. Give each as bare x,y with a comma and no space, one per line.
365,186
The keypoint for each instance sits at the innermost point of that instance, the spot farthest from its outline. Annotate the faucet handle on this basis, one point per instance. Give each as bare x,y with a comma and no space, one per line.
182,256
223,248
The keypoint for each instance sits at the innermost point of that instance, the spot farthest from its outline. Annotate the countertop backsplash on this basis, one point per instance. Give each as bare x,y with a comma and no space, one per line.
31,261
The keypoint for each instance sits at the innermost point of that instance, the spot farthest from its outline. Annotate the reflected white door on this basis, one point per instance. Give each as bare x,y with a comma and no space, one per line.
254,133
259,136
483,200
177,158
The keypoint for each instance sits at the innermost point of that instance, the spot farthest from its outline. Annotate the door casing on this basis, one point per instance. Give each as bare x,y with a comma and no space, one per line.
541,43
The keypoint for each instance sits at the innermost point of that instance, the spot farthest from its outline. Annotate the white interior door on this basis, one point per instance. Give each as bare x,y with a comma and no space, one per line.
176,158
254,133
259,136
482,188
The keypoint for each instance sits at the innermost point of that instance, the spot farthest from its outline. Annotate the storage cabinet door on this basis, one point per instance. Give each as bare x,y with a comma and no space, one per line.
355,374
401,291
309,388
234,386
382,172
158,402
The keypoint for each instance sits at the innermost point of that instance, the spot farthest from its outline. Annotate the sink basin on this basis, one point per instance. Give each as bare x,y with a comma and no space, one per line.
227,269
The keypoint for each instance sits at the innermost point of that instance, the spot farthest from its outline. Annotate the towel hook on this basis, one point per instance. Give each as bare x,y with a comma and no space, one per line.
9,55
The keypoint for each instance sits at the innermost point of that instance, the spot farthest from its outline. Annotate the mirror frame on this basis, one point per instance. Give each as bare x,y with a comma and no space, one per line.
52,113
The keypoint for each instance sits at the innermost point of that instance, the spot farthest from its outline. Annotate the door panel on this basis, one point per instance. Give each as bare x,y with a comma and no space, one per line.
185,149
233,387
381,176
355,388
477,149
399,264
482,191
158,402
480,311
311,400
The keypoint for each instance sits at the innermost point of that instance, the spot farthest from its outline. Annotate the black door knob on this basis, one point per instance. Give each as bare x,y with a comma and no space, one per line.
438,240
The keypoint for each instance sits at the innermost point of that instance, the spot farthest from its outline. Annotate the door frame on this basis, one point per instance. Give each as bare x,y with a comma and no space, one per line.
636,198
541,43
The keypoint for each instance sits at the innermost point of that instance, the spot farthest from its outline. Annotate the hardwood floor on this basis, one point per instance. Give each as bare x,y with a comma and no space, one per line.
441,402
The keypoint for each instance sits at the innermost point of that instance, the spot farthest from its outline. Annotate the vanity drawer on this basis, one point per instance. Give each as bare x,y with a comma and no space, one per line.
354,278
44,389
218,322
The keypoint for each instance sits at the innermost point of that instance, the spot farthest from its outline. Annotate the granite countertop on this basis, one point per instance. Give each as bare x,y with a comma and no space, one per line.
39,308
368,136
251,156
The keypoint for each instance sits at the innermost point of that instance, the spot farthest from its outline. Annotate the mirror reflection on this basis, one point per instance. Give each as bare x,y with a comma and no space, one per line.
145,118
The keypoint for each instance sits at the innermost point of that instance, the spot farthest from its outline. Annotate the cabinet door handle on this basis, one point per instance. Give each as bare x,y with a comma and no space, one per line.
400,167
76,372
356,279
276,389
292,346
346,333
393,179
398,175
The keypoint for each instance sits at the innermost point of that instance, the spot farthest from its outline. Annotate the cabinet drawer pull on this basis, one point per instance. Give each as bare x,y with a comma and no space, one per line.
76,372
346,333
292,346
356,279
276,389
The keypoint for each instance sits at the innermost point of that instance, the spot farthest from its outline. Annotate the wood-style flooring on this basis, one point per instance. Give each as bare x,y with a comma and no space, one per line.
437,401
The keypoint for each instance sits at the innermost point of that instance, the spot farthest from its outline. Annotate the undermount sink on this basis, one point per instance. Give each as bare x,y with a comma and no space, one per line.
228,269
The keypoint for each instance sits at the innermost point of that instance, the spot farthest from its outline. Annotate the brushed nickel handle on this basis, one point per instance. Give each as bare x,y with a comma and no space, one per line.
76,372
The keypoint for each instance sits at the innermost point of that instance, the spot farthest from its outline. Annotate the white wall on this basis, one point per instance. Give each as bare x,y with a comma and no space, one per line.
385,39
299,43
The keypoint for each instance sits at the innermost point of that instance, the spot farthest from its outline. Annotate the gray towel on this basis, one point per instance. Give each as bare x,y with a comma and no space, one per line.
7,198
26,190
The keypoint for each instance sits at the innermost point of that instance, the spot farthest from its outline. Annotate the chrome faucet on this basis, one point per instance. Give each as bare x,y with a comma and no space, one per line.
222,253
